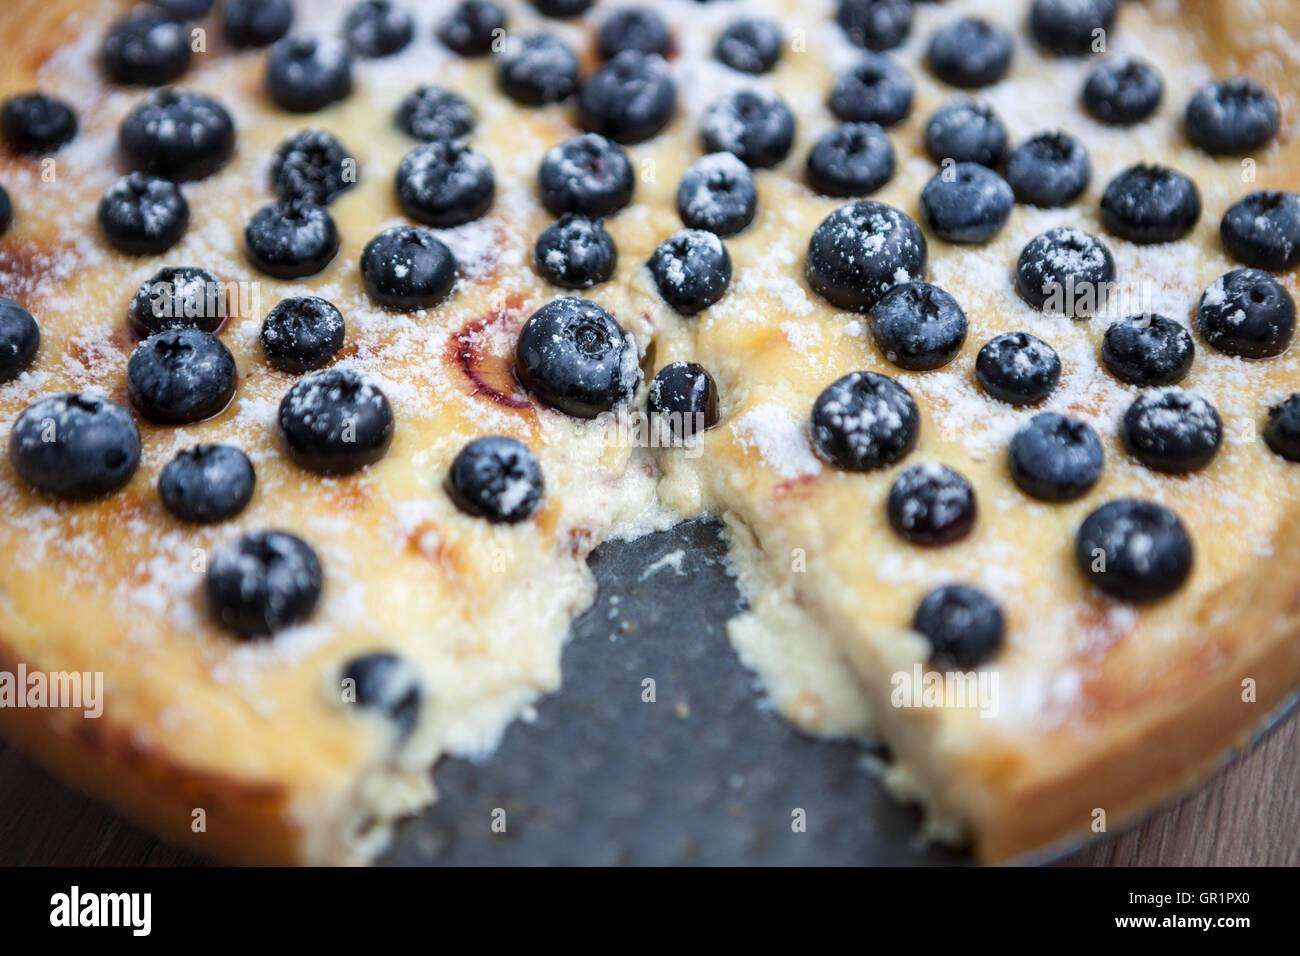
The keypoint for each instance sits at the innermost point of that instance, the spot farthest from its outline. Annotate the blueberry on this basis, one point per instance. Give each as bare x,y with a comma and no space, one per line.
1065,270
178,134
289,240
629,99
966,202
1172,431
255,23
407,269
750,44
1051,169
1247,313
305,74
302,334
964,626
1122,91
378,28
20,337
312,165
75,446
877,90
586,174
684,398
864,421
852,159
1134,550
1071,27
1232,117
1262,230
1150,204
388,685
263,583
537,69
1017,368
717,193
143,215
207,483
181,297
633,28
1282,431
6,211
918,326
35,124
969,52
691,269
573,356
931,504
755,124
861,251
183,10
181,376
472,27
966,132
575,252
445,184
496,478
563,8
431,113
875,24
335,422
146,50
1148,350
1055,458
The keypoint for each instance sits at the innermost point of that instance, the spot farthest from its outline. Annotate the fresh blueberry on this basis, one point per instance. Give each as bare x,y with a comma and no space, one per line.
717,193
75,446
255,23
178,297
1055,458
1134,550
335,422
1121,91
312,165
305,74
537,69
179,134
1232,117
875,24
629,99
1065,270
633,28
1247,313
20,337
966,132
864,421
496,478
181,376
431,113
1262,230
562,9
6,211
1150,204
691,269
472,27
1018,368
966,202
445,184
754,124
750,44
576,252
184,10
684,397
964,626
146,49
302,334
389,686
861,251
207,483
378,28
1148,350
290,240
970,52
1071,27
586,174
852,159
35,124
877,90
407,269
918,326
573,356
1051,169
931,504
1172,431
263,583
1282,431
143,215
